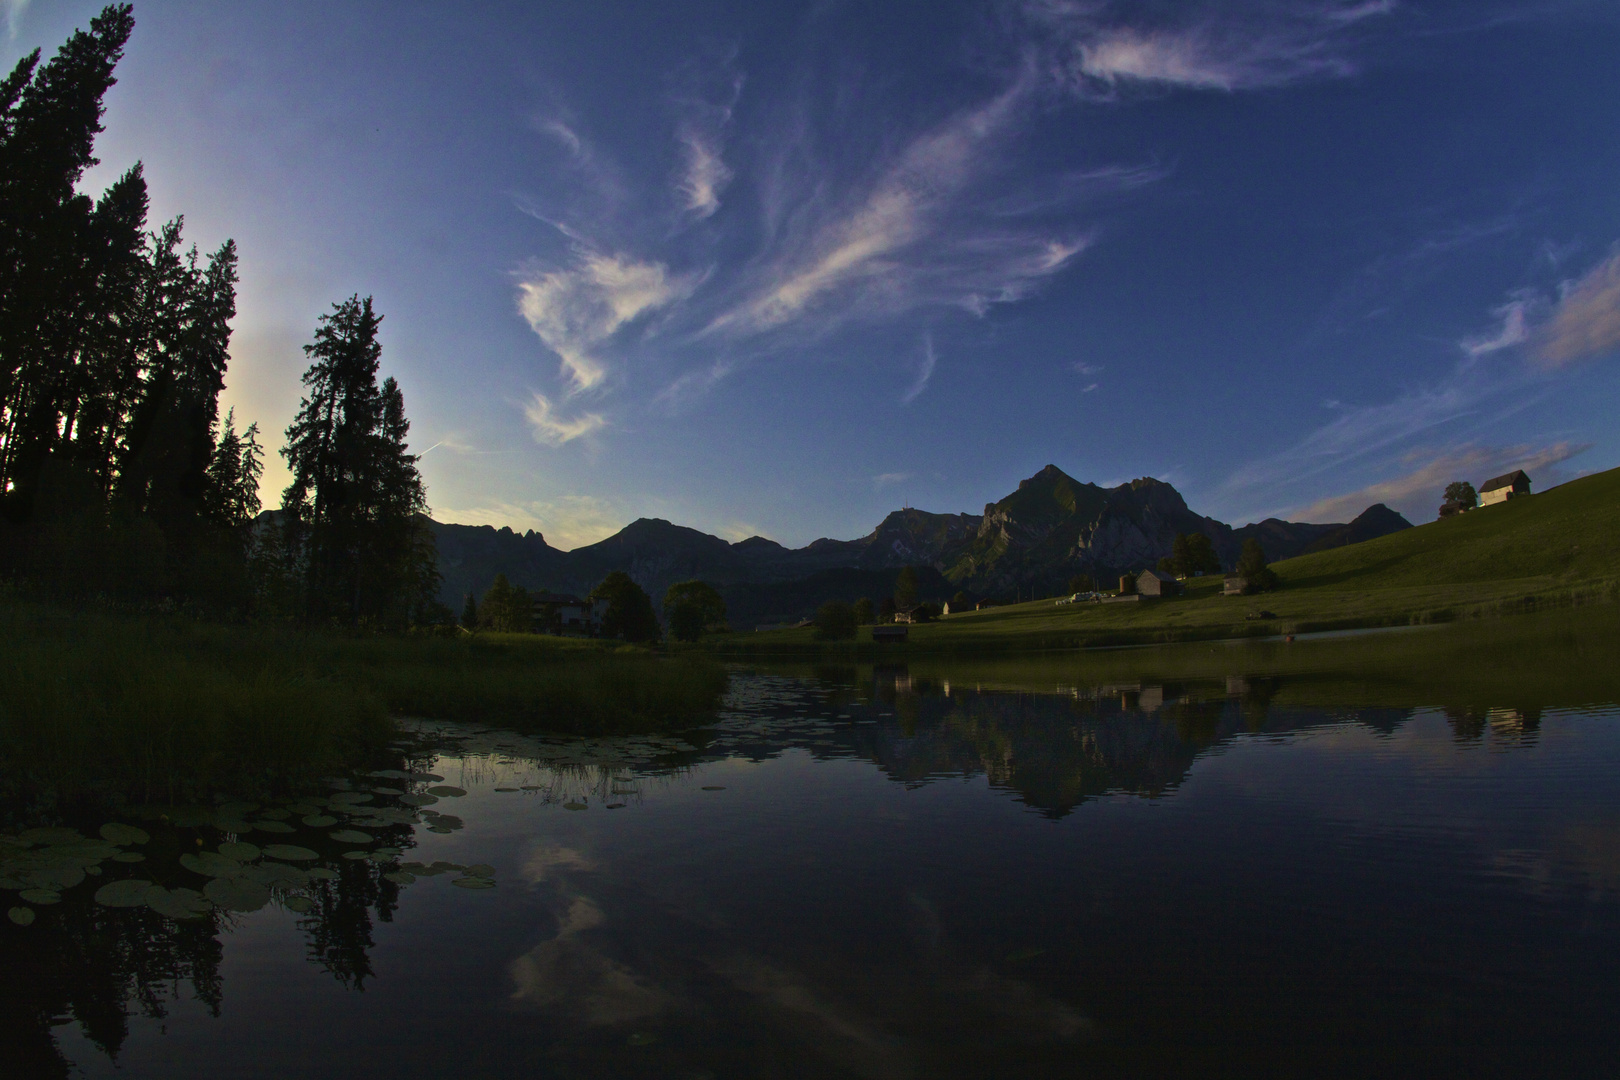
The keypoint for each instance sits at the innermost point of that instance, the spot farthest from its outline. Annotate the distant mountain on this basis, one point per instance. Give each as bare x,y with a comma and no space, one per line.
1034,540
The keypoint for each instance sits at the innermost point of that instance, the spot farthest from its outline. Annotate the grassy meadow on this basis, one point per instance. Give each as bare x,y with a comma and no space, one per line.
1559,548
163,707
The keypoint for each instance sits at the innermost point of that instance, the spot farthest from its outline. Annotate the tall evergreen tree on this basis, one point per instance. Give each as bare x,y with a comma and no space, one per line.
353,511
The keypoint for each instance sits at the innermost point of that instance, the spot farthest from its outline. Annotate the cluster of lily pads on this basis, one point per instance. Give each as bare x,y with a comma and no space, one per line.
239,875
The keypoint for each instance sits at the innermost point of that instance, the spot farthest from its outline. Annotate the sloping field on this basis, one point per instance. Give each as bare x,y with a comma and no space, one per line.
1548,550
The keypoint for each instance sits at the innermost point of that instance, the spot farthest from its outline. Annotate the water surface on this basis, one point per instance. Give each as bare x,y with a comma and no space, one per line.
893,872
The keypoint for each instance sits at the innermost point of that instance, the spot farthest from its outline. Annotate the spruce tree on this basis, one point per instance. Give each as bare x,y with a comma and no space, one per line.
353,513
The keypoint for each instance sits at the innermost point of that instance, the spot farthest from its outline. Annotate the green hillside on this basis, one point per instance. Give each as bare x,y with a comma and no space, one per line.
1557,548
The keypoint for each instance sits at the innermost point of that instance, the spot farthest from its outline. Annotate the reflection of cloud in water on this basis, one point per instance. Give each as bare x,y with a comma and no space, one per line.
546,861
570,977
850,1041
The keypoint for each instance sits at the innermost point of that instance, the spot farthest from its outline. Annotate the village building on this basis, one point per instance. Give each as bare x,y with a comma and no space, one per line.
1236,585
564,615
1156,583
1504,487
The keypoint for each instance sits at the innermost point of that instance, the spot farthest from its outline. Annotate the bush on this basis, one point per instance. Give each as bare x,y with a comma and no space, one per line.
864,615
691,607
835,621
629,612
1252,567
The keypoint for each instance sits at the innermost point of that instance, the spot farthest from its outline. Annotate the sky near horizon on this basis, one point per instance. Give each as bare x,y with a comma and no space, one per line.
780,268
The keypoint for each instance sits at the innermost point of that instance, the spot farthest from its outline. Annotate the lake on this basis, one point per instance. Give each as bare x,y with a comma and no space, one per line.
1262,859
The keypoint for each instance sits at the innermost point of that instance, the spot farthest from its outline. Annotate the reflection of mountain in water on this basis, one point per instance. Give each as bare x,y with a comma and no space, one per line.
1058,751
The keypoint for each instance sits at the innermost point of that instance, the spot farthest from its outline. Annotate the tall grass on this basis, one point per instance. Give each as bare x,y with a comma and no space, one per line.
165,707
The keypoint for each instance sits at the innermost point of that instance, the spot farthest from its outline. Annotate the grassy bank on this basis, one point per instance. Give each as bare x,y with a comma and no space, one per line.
1561,658
1557,549
163,707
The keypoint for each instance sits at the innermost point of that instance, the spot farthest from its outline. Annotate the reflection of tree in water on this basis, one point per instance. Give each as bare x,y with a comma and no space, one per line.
339,927
99,965
96,965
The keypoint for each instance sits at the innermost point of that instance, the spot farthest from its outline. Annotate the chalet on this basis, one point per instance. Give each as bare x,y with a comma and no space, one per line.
1236,585
906,615
1156,583
567,616
1504,487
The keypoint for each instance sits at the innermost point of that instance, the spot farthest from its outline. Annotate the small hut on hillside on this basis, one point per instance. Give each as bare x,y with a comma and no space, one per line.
1504,487
1156,583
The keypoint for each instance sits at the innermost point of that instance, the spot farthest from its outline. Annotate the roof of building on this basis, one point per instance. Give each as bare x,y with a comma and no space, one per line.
555,598
1505,480
1161,575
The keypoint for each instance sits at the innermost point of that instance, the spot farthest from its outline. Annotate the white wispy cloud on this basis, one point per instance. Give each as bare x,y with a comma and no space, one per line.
706,173
577,309
889,479
1417,490
1586,320
906,240
1513,329
1204,46
925,371
547,427
14,11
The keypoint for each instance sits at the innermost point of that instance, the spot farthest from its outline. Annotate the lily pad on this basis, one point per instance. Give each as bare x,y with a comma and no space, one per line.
129,856
387,791
273,827
442,830
275,814
22,916
210,864
575,806
352,836
114,833
350,798
240,851
237,894
473,882
446,791
176,903
483,870
301,904
389,774
41,896
233,825
320,821
432,778
276,874
418,800
289,852
59,876
130,892
49,836
400,877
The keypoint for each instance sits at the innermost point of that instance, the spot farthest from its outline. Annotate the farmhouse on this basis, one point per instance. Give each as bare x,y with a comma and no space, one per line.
1236,585
1156,583
1504,487
567,616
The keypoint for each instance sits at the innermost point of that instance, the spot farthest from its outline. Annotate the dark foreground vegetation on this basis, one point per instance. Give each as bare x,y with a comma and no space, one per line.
163,707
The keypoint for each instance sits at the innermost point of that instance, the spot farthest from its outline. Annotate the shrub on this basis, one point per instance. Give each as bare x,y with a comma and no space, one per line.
835,621
864,614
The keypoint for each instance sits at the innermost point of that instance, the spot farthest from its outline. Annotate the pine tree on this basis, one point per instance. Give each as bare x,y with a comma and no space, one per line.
353,511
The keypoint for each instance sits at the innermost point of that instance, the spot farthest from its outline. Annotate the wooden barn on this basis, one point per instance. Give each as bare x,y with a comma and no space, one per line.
1504,487
1156,583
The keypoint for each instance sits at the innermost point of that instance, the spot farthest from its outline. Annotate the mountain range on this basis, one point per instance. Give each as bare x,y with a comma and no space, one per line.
1029,543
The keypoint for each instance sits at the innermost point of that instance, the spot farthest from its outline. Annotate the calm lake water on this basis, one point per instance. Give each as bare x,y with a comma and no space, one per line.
877,872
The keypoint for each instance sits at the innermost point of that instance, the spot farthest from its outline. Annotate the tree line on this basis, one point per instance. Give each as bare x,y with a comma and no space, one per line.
117,472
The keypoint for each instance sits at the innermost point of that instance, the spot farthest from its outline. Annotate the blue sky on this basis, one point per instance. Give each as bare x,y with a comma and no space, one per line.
780,268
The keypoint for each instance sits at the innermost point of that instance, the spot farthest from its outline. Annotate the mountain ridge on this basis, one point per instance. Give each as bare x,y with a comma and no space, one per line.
1032,541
